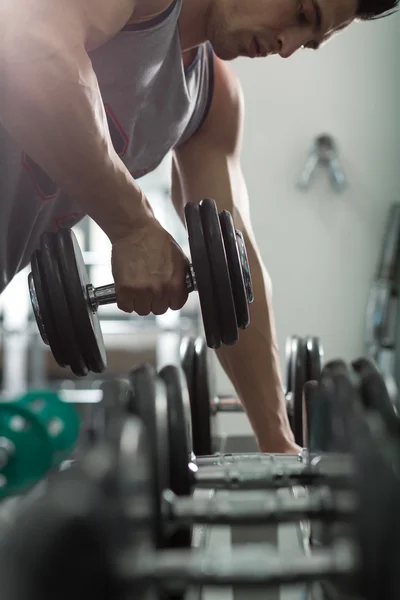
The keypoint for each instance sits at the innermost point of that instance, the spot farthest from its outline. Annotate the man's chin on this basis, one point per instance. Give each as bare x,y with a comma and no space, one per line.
226,55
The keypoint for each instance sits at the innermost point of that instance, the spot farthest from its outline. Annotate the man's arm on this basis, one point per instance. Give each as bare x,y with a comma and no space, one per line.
51,104
208,165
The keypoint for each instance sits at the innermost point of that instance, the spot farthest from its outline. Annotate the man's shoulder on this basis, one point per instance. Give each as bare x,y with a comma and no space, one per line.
223,125
228,102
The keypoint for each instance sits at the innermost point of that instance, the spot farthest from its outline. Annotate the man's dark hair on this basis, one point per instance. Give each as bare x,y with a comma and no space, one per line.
376,9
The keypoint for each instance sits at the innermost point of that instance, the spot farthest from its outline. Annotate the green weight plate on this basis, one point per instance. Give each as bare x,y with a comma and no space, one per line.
148,402
235,269
31,452
220,272
86,321
45,319
201,402
60,419
204,279
58,304
180,445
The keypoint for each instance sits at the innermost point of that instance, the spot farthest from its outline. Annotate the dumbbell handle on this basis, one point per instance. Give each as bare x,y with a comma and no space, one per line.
266,474
275,460
226,405
260,508
106,294
243,567
235,479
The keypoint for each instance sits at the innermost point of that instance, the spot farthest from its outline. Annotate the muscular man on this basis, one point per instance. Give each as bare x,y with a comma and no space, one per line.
95,93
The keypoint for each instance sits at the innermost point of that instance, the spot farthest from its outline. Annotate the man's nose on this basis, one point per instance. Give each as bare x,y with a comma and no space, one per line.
289,43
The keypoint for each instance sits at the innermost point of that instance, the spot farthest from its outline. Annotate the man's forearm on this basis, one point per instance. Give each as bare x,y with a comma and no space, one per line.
253,366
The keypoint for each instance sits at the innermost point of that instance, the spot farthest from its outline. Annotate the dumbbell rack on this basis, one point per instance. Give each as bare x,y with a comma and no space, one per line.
273,539
144,485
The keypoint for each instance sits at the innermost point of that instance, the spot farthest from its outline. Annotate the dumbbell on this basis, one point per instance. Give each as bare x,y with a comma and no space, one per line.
165,411
304,360
65,303
161,402
37,433
373,392
304,363
104,508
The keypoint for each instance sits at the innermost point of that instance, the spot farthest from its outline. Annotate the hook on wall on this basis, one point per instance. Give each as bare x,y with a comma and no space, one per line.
323,152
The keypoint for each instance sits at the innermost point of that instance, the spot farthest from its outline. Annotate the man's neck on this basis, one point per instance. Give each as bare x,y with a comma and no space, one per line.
193,23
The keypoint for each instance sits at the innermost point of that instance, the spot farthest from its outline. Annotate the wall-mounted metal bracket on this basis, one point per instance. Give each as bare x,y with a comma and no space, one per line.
323,152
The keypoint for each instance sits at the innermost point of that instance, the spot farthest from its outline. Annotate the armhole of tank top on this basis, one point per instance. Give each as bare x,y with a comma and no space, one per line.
152,20
211,81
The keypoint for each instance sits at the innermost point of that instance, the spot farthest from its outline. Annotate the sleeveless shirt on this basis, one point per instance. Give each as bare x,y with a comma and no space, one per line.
153,104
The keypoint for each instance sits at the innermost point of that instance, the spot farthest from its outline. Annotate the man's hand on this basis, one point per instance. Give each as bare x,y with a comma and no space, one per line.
149,270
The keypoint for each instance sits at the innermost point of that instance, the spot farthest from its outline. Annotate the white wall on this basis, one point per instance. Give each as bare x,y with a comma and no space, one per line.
321,248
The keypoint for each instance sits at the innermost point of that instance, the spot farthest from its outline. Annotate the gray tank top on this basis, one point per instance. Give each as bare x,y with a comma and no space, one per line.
153,105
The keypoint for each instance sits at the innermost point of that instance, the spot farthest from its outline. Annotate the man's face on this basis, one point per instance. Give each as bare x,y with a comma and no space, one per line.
263,27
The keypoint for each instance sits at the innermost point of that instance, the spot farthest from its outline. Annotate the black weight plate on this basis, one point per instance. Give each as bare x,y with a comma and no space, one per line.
148,401
47,317
298,369
334,368
76,281
201,403
204,281
59,305
187,357
315,358
235,269
337,381
319,420
375,395
291,345
310,428
244,259
36,308
377,525
180,445
179,429
220,272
